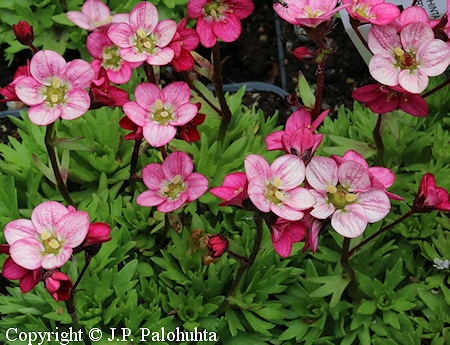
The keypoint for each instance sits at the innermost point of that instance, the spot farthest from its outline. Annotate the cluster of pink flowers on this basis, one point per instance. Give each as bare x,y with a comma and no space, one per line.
406,49
342,189
39,247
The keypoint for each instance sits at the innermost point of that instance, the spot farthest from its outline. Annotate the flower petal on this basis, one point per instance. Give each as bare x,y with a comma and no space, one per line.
27,252
321,172
257,166
18,229
73,228
46,64
375,203
197,186
353,176
158,135
47,215
290,169
350,222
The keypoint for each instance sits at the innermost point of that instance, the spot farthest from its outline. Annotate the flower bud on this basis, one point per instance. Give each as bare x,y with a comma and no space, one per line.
305,53
24,33
58,285
217,245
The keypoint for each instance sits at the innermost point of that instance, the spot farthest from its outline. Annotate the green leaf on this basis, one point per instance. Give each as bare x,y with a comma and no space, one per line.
305,92
333,285
367,307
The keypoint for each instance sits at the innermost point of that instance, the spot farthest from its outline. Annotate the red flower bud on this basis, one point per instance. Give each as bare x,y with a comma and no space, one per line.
217,245
58,285
305,53
24,33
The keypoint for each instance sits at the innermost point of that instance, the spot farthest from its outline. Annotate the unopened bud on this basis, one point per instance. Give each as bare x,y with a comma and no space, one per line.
24,33
305,53
217,245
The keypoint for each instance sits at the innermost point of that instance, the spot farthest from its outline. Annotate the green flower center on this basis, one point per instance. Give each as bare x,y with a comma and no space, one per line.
312,14
111,58
51,243
215,9
273,192
145,42
55,93
364,11
173,189
340,197
161,113
405,60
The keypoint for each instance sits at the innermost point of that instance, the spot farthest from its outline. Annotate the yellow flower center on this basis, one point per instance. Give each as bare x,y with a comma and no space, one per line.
340,197
161,113
55,93
52,244
173,189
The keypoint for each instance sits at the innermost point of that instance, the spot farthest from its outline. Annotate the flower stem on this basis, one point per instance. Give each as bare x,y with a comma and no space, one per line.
378,140
379,232
320,78
355,23
437,88
193,87
52,155
163,152
344,259
70,304
251,259
218,84
150,73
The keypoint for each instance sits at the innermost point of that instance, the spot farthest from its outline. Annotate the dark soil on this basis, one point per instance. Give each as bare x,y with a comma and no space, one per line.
256,57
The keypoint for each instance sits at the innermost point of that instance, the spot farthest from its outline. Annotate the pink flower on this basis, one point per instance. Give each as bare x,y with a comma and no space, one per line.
430,197
383,99
104,94
314,225
380,177
12,271
276,187
95,14
144,38
159,112
286,232
48,239
410,15
307,12
58,285
217,245
55,88
106,55
298,138
184,41
345,193
172,183
233,189
407,59
372,11
219,19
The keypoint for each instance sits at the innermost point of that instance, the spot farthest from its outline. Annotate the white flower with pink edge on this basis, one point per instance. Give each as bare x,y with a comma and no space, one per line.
55,89
48,239
407,59
276,187
345,194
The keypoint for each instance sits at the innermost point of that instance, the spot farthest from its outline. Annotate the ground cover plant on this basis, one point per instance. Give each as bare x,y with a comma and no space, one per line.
137,210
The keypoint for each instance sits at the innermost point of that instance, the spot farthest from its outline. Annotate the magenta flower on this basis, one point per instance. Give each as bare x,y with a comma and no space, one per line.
372,11
298,138
102,93
184,41
12,271
55,88
233,189
160,111
383,99
106,55
48,239
307,12
172,183
276,187
219,19
286,232
346,195
217,245
430,197
98,233
136,133
407,59
95,14
9,91
58,285
312,239
144,38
